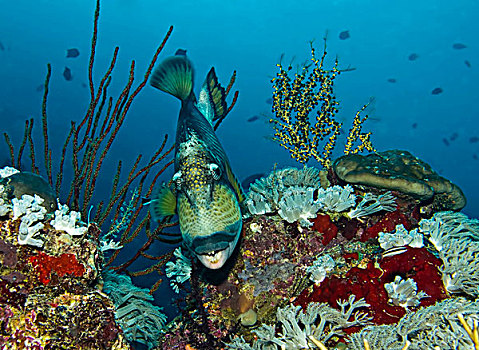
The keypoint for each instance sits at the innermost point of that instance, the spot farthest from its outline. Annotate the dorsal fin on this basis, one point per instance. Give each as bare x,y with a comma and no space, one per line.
174,76
212,98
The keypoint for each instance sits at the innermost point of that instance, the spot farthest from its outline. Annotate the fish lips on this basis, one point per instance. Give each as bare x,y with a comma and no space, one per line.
214,250
216,259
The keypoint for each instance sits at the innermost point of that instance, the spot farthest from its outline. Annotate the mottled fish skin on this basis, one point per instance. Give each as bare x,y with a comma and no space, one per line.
208,209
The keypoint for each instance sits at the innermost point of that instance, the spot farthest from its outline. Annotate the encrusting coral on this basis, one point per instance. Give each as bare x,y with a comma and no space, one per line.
400,171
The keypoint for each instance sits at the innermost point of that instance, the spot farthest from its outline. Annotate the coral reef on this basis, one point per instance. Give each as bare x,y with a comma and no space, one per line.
456,238
298,204
266,193
388,249
434,327
336,198
400,237
303,330
31,212
18,183
68,221
321,266
50,286
400,171
179,271
371,204
140,320
404,292
361,255
297,196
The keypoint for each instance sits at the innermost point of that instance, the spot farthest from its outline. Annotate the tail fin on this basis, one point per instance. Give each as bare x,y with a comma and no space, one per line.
174,76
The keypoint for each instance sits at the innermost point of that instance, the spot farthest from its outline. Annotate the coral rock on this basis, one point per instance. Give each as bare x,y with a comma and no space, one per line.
400,171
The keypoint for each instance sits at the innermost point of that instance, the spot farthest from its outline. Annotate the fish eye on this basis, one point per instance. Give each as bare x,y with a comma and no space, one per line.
215,171
177,179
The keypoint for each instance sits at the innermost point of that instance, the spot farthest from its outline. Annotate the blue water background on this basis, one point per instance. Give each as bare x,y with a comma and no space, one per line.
250,37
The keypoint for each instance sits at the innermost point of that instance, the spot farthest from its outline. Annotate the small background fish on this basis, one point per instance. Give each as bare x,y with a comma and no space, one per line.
459,46
344,35
72,53
413,57
67,74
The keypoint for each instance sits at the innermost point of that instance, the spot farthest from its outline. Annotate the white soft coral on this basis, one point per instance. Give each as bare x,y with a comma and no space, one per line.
68,221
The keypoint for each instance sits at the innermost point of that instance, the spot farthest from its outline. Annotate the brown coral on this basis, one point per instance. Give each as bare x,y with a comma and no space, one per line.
399,170
28,183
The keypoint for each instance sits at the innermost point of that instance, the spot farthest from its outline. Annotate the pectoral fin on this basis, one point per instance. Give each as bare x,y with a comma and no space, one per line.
163,203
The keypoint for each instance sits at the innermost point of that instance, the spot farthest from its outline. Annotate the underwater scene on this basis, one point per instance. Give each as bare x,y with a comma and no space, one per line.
257,175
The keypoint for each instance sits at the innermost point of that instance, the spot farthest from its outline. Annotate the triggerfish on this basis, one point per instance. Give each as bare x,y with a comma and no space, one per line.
203,191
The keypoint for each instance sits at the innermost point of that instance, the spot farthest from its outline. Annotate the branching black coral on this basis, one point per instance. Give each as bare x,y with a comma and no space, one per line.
296,98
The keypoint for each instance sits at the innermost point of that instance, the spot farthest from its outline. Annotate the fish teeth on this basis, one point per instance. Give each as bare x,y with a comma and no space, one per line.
213,257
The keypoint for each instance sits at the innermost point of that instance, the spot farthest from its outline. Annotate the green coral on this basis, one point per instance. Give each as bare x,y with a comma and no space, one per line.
265,194
140,320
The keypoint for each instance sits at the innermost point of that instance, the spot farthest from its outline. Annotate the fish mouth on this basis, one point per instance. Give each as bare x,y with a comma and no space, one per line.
214,260
214,250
